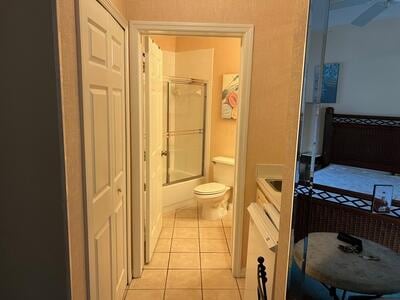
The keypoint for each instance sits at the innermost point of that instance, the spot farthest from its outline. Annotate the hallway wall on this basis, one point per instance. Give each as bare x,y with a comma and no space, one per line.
70,106
120,5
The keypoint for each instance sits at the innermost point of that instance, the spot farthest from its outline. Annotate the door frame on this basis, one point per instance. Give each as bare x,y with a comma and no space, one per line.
136,30
123,22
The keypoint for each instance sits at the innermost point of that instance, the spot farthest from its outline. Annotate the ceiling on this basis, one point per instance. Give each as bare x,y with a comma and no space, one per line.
344,16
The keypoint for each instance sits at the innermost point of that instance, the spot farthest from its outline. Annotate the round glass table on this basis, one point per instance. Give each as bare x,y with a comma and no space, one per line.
353,272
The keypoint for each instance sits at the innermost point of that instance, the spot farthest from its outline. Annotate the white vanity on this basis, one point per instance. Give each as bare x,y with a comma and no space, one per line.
263,230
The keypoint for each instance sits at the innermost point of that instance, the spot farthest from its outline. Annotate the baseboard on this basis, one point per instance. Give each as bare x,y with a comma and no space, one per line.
180,204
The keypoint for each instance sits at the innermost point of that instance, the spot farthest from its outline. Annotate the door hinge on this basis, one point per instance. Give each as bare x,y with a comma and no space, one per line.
145,187
144,156
143,62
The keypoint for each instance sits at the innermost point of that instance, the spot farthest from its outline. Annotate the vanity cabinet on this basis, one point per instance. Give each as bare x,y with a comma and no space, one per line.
263,241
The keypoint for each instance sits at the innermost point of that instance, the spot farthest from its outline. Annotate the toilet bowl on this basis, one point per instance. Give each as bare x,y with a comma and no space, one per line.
213,199
213,196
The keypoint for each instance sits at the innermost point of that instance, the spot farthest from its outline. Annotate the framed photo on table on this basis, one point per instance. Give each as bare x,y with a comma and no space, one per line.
382,198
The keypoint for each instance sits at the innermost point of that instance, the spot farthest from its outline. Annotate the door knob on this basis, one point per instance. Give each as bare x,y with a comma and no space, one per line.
164,153
119,191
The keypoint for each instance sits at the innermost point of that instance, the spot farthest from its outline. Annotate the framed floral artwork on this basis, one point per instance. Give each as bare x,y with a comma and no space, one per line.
230,96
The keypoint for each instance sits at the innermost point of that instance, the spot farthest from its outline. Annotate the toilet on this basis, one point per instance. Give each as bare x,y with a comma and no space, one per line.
213,197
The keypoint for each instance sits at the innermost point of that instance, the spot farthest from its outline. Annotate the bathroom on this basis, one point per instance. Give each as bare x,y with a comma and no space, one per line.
198,148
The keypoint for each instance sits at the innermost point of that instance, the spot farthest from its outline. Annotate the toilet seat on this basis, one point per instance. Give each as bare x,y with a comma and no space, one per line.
213,199
211,188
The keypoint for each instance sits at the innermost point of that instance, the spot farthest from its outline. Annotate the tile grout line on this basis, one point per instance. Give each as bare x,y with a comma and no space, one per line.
229,249
199,255
169,255
198,219
201,269
236,281
226,241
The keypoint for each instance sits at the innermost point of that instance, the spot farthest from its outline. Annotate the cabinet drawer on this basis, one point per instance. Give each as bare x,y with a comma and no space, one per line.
269,208
260,198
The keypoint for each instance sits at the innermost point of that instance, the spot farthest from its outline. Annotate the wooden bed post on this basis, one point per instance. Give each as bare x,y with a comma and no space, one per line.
328,135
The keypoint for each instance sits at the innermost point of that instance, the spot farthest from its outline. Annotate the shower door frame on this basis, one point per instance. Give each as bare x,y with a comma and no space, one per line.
204,85
138,29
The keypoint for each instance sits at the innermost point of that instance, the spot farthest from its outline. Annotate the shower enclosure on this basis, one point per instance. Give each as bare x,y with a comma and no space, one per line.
183,129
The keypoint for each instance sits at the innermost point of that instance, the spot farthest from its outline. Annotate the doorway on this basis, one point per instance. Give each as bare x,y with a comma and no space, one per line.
147,211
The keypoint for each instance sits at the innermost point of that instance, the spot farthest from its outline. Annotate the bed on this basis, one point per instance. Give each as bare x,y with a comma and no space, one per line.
358,152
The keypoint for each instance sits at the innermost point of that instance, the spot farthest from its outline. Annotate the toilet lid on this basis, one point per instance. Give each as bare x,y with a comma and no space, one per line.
210,188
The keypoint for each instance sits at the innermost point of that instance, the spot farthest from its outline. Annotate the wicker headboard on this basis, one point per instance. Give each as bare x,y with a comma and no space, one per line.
371,142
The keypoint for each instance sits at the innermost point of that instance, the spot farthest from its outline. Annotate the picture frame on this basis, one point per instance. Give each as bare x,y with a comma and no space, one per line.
230,96
330,80
382,198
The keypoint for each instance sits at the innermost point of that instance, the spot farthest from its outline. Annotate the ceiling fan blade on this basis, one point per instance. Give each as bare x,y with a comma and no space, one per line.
369,14
345,3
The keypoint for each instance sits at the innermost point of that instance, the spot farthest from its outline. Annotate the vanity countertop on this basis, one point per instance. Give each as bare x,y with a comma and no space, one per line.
273,195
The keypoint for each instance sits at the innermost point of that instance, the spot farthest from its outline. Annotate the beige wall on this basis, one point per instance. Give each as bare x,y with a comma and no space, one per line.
165,42
226,60
72,145
120,5
295,77
276,74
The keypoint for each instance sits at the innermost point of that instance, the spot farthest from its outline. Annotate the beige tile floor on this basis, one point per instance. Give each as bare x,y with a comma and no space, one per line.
192,261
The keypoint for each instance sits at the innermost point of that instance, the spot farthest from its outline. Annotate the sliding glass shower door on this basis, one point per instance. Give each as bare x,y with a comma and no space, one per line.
184,126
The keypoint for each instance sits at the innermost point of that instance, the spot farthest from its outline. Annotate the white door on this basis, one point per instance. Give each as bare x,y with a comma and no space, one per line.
154,106
103,85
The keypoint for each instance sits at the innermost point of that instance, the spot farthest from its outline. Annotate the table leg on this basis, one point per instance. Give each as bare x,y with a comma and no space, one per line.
332,293
344,295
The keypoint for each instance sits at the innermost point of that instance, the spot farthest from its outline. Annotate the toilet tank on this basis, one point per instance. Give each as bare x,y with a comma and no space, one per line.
224,170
